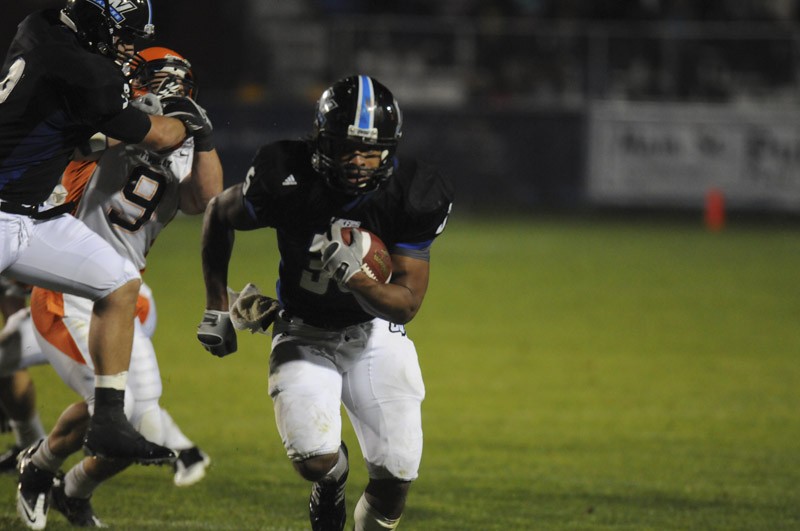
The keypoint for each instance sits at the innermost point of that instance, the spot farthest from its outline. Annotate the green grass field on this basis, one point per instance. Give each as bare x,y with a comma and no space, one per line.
581,375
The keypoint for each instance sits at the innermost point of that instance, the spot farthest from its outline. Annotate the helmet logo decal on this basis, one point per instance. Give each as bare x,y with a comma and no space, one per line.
364,123
116,8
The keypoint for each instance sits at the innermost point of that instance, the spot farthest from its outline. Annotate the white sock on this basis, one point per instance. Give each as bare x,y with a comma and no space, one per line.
173,435
45,459
27,432
148,422
368,519
78,484
112,381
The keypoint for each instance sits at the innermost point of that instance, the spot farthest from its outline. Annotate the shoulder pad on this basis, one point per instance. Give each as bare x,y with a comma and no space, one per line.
429,191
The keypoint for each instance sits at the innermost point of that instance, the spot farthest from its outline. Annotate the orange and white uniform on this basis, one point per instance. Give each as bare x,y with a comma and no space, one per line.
128,196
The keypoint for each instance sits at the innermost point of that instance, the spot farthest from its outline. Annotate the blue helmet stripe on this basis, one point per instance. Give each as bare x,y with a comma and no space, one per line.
365,115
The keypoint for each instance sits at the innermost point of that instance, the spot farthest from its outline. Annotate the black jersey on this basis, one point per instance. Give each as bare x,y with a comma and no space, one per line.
54,95
283,191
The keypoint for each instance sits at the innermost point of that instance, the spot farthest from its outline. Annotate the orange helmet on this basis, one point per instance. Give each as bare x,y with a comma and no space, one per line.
162,72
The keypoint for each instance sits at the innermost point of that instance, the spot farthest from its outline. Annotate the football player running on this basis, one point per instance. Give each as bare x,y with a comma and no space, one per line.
60,83
338,337
127,196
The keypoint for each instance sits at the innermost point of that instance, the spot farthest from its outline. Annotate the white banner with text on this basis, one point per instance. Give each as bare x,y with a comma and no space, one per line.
673,155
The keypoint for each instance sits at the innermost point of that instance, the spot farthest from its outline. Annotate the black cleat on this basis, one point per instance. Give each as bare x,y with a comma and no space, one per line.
78,511
116,439
190,467
8,460
326,506
33,491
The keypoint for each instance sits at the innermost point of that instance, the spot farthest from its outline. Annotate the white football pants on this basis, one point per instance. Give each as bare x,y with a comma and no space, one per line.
61,254
372,369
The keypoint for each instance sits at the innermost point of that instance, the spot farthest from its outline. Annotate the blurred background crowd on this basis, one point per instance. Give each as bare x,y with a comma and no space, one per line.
513,80
452,52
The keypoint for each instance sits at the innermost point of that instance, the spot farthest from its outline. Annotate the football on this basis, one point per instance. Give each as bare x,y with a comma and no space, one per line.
376,262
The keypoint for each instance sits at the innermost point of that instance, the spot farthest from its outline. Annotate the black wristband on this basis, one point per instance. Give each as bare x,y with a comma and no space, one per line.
204,143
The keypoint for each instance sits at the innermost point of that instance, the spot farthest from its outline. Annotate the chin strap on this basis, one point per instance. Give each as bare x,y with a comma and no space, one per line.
67,21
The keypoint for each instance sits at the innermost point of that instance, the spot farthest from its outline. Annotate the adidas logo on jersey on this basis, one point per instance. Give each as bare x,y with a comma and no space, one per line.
290,181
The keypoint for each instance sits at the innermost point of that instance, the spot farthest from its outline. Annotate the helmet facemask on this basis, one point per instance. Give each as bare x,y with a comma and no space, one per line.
334,160
162,72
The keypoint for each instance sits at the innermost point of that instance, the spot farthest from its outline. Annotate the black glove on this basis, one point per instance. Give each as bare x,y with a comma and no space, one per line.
216,333
194,118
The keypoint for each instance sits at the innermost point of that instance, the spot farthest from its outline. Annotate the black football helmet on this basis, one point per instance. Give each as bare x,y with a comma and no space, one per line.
356,113
97,22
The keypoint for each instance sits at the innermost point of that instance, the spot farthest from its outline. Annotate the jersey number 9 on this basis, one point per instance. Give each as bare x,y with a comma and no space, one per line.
142,192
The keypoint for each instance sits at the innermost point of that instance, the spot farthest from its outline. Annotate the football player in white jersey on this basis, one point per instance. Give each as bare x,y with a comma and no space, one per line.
127,196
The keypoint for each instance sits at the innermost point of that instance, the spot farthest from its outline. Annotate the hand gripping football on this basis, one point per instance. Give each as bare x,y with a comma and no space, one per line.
376,261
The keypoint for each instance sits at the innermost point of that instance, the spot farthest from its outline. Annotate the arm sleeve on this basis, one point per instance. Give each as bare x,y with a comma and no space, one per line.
131,126
97,95
420,251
